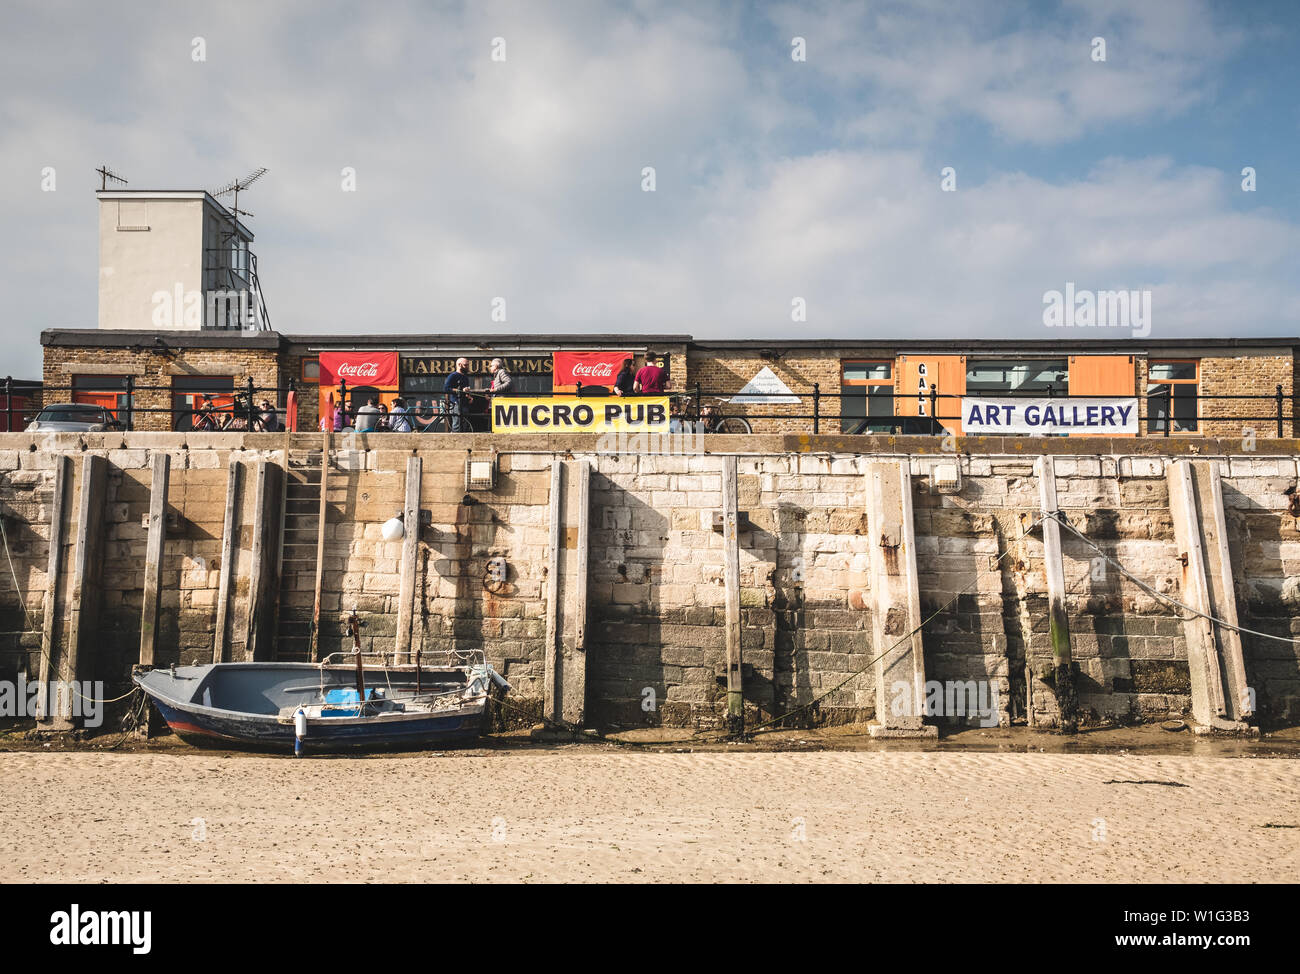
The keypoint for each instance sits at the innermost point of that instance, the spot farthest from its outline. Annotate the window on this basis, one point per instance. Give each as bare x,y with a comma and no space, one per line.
867,397
203,402
993,376
132,215
1172,388
108,391
311,370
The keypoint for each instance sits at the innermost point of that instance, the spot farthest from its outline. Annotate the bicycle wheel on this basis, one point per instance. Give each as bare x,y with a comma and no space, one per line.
436,425
733,424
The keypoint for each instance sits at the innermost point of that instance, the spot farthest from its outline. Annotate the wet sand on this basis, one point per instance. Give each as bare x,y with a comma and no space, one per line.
584,813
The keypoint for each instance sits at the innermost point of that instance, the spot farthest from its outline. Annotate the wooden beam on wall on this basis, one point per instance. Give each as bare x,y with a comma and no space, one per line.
228,529
410,553
153,558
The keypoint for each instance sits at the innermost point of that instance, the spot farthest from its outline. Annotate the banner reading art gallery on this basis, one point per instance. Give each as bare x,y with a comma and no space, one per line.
564,414
1044,416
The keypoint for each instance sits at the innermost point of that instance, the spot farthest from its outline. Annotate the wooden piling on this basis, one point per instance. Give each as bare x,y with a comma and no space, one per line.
1058,622
50,613
410,552
326,442
153,558
229,527
262,578
83,586
550,667
731,556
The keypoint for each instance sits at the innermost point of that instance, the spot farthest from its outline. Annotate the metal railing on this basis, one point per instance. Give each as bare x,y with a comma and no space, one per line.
934,408
242,413
433,412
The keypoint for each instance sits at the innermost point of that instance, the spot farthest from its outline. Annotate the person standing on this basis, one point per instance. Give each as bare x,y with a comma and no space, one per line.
501,378
454,388
651,380
625,381
367,417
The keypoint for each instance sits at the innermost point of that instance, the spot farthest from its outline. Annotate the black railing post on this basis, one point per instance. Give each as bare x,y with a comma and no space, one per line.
252,391
9,402
578,388
130,403
698,405
934,403
817,407
1169,410
343,400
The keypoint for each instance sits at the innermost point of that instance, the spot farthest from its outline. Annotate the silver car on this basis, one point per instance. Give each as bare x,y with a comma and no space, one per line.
73,417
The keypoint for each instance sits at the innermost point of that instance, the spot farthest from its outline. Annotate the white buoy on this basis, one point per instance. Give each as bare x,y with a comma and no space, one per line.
299,730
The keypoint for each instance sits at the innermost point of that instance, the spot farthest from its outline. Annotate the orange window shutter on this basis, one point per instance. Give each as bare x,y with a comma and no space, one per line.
917,374
1102,375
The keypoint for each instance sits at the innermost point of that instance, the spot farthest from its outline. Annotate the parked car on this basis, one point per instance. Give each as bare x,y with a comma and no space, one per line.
73,417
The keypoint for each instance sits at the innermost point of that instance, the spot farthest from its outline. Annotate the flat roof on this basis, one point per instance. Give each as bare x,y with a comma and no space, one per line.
1036,345
124,338
213,338
175,194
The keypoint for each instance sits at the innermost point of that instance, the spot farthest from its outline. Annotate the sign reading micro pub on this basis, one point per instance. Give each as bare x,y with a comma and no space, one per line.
640,414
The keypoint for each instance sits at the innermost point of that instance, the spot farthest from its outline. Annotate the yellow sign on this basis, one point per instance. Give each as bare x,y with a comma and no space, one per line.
565,414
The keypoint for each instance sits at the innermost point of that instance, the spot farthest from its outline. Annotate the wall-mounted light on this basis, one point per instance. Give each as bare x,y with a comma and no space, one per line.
394,528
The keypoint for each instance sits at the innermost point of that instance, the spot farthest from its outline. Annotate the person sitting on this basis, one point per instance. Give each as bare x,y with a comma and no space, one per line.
267,420
399,420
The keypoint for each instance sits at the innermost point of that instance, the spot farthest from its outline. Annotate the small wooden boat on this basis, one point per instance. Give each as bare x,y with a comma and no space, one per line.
324,705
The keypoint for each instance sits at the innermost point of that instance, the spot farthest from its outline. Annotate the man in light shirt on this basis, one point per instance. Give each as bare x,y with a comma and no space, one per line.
399,420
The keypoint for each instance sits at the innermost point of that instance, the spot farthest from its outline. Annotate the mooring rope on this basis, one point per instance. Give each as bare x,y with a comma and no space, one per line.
1059,517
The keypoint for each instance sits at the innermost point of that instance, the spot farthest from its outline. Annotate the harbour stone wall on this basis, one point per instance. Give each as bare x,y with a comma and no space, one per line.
656,580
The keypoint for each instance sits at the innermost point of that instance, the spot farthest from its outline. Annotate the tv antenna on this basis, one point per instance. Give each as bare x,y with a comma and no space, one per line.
235,186
105,174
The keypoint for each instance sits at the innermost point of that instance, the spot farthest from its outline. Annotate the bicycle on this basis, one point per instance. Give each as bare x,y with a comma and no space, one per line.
711,417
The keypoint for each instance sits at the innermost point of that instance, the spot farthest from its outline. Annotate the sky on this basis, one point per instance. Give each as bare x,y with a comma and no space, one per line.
499,151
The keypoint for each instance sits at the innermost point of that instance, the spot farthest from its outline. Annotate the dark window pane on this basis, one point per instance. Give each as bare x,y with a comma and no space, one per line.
1171,370
990,376
863,371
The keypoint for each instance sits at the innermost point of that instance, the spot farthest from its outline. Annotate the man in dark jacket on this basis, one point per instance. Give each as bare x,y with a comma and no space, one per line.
457,398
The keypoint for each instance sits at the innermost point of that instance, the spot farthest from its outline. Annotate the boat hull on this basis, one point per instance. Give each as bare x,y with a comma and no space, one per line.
216,705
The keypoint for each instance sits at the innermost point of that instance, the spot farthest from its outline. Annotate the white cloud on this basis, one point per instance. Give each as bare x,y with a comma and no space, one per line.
477,179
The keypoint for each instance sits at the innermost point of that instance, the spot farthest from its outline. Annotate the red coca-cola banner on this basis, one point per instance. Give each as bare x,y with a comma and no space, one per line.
589,368
378,369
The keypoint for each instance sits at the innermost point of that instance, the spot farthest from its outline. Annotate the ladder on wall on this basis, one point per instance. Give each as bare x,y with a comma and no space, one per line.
301,551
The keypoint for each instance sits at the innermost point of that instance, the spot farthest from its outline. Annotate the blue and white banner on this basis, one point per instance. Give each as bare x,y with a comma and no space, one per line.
1041,417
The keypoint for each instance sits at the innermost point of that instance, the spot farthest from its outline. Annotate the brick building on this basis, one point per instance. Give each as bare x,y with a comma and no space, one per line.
155,379
183,321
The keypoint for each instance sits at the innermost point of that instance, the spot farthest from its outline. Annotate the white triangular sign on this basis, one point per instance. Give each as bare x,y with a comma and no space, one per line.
765,388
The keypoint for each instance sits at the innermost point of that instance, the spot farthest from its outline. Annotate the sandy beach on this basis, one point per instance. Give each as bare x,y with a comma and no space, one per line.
580,814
